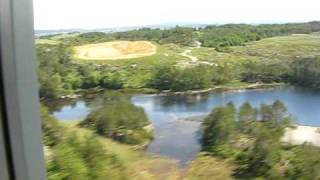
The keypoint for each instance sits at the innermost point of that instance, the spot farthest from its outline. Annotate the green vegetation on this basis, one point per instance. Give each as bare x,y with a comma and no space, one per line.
306,72
219,127
242,144
60,75
283,48
178,35
208,167
46,41
235,35
72,152
305,162
70,156
250,139
120,120
168,77
210,36
269,60
246,149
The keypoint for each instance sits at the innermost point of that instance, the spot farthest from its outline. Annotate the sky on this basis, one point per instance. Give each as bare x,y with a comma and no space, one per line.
91,14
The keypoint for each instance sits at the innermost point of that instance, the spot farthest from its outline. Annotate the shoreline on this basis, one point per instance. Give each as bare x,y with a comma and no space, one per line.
302,134
227,89
93,92
255,86
298,135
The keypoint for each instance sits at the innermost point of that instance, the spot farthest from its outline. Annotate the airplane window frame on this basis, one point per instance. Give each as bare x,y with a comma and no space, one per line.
21,148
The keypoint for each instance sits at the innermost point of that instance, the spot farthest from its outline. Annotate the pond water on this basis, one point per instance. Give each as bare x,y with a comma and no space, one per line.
72,112
179,139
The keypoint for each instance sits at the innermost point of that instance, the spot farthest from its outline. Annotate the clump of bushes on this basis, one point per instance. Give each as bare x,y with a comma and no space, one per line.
70,155
120,120
167,77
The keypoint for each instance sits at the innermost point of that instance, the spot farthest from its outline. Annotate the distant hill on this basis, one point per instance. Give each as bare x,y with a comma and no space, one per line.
39,33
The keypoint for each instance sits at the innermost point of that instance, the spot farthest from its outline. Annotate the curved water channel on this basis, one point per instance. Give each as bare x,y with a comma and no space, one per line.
177,138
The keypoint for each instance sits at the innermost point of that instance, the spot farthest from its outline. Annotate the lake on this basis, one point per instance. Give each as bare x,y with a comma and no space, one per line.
179,139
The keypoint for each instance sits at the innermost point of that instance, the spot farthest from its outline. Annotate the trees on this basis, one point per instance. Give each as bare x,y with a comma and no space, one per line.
83,158
73,79
262,159
102,164
167,77
119,120
267,72
58,75
164,77
238,34
89,37
66,163
275,117
50,128
223,73
50,60
247,117
306,72
219,128
252,140
90,75
178,35
73,156
198,77
50,85
305,163
112,80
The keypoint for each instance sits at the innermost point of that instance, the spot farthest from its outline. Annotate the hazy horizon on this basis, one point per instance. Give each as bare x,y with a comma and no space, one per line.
97,14
172,24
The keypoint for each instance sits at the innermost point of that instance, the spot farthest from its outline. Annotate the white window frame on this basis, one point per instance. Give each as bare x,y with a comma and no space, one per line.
21,148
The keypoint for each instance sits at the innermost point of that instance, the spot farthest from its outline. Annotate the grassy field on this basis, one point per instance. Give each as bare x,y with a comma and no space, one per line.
278,49
213,56
46,41
136,72
281,48
208,167
115,50
144,52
